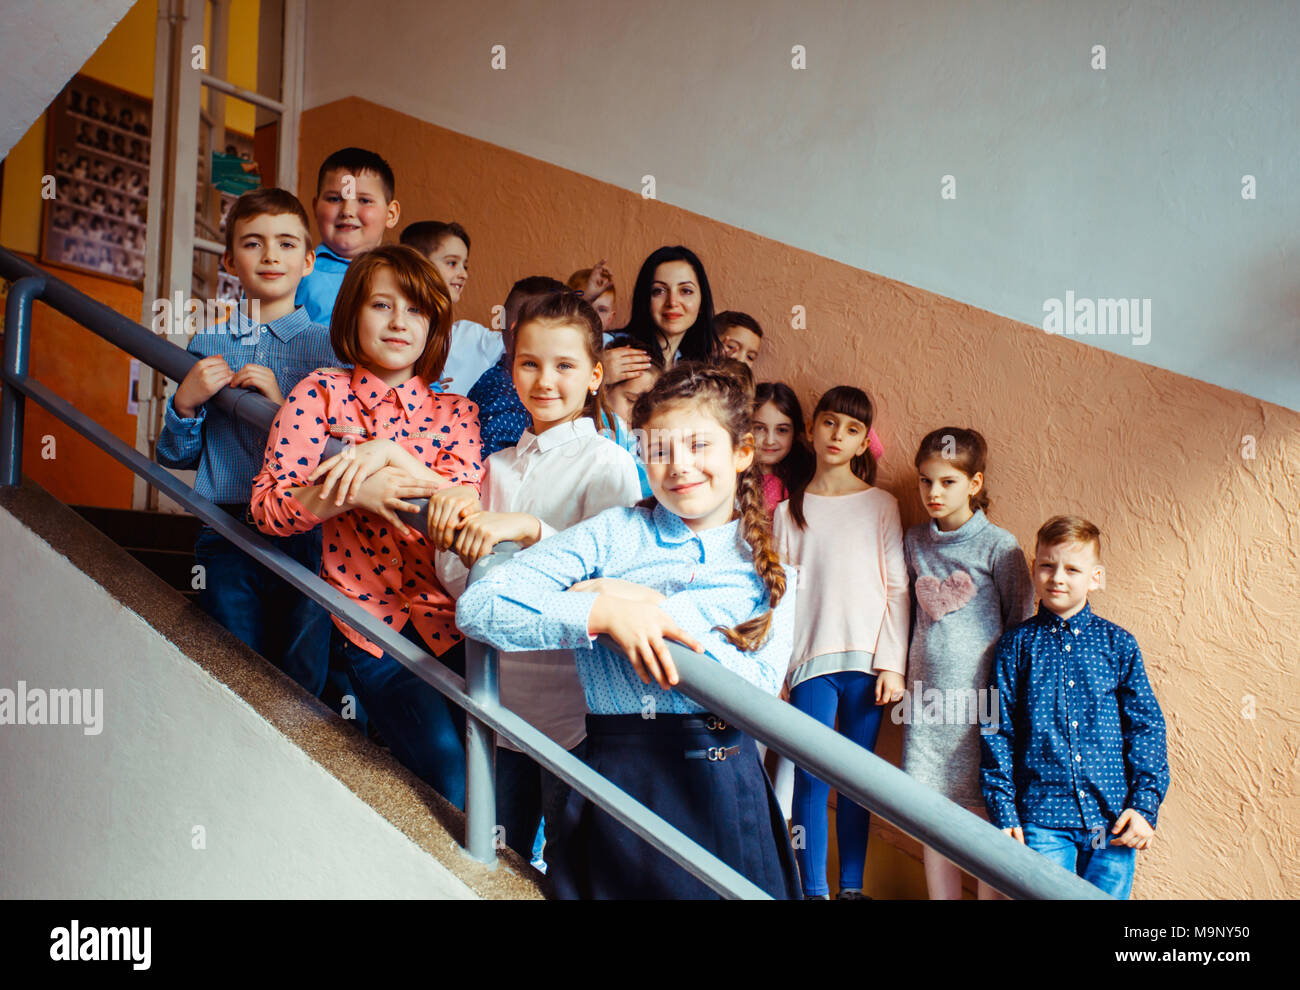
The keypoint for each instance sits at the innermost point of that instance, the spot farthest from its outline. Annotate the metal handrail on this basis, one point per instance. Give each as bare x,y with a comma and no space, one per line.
857,774
475,693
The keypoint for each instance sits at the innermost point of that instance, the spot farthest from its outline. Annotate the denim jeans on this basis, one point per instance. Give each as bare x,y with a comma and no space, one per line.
425,731
1108,867
264,610
526,795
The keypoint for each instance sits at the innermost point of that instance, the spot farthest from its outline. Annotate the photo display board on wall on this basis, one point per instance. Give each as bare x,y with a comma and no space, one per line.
97,152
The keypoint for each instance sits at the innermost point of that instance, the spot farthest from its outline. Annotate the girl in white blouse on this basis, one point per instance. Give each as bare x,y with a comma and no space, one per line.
560,473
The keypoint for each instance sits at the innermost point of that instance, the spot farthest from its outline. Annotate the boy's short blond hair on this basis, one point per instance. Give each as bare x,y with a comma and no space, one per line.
1068,529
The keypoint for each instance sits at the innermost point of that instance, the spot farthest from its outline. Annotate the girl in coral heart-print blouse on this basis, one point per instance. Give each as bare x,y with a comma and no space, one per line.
392,320
844,536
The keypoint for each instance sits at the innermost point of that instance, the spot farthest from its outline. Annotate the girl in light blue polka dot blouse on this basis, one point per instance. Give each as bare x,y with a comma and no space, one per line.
695,564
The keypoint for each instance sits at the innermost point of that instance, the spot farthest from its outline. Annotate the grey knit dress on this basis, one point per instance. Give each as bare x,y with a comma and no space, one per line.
968,587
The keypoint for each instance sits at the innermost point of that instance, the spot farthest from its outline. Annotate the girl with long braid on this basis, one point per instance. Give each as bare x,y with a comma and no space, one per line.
696,564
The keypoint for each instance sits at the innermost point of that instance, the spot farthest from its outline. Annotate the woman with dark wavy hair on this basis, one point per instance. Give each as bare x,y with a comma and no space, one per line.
672,308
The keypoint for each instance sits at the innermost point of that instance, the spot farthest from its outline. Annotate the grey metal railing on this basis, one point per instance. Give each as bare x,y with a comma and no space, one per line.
959,835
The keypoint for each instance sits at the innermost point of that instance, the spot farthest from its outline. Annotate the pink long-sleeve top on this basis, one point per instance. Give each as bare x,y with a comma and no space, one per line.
389,575
854,596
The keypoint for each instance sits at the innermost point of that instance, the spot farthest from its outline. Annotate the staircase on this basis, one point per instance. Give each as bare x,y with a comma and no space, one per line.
161,541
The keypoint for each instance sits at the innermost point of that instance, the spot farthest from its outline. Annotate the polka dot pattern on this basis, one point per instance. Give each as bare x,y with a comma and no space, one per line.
708,579
502,417
1080,736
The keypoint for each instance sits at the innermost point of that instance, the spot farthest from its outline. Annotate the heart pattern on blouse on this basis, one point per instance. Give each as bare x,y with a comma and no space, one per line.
938,598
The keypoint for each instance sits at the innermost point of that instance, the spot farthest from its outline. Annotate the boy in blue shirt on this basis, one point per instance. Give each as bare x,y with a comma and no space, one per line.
272,346
354,205
1076,767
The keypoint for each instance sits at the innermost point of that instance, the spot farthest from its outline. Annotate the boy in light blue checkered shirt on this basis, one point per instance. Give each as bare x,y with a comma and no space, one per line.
270,348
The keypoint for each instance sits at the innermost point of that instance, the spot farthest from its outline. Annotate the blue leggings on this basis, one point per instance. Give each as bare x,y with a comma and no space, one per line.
851,695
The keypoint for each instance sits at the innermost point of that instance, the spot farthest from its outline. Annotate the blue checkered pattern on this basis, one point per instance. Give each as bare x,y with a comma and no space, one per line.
228,455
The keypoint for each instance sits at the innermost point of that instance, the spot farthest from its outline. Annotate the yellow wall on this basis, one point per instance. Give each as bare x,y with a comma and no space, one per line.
125,60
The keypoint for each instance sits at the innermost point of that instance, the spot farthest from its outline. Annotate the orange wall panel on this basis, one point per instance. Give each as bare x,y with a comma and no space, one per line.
92,375
1202,542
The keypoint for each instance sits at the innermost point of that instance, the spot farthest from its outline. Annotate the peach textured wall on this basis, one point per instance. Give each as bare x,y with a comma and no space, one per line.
1202,540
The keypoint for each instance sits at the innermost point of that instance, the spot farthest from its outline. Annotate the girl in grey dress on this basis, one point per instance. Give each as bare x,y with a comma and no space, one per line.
970,583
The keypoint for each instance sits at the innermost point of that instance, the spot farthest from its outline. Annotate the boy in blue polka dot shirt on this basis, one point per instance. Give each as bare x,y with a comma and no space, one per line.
1075,767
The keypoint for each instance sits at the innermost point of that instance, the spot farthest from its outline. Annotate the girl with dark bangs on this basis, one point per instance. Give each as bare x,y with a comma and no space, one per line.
851,619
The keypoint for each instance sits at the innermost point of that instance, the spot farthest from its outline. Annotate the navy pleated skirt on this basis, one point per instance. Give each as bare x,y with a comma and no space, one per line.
726,805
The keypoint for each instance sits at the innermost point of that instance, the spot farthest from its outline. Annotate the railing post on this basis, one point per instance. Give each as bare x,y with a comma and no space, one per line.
18,329
480,754
482,683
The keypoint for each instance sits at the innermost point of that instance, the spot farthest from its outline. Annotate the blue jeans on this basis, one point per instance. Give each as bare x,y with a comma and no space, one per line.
423,729
262,609
852,696
1108,867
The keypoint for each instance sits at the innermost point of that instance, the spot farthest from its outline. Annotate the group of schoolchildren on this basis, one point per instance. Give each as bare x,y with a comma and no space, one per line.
658,494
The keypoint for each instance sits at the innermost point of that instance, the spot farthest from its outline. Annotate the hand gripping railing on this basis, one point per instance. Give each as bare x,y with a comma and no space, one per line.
857,774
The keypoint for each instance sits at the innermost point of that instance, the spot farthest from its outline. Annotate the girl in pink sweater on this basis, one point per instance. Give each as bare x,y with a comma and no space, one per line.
851,618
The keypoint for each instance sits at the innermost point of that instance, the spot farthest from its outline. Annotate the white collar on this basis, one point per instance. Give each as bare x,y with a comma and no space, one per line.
557,436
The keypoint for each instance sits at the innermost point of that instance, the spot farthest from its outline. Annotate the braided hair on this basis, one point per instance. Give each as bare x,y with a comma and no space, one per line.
731,405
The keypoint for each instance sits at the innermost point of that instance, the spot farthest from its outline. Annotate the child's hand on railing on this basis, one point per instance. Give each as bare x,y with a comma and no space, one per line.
261,378
1017,833
629,590
639,630
347,471
385,492
889,687
208,377
449,507
482,531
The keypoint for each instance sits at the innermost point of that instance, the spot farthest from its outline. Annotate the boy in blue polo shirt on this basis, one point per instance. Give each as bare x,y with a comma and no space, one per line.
271,348
354,205
1076,767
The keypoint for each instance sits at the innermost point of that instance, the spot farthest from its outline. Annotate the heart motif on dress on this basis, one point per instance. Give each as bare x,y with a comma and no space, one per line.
938,598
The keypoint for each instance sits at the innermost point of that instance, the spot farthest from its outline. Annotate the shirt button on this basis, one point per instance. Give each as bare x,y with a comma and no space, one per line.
1078,758
1072,684
396,561
1067,647
1074,725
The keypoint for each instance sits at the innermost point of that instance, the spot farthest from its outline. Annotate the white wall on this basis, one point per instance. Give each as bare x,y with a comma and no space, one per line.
112,815
1122,182
42,45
